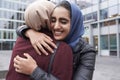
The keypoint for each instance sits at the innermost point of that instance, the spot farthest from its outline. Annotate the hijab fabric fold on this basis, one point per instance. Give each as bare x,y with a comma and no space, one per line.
37,14
77,28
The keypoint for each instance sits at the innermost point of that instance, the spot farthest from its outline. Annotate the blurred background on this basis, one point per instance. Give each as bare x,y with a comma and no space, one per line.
102,30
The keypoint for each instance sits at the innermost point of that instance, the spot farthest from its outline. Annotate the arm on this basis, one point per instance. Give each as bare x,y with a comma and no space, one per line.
85,62
39,74
61,69
85,70
33,70
38,40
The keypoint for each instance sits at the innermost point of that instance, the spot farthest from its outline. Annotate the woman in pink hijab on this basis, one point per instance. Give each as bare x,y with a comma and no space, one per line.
37,17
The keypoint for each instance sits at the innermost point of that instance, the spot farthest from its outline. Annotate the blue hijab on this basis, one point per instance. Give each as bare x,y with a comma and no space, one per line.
77,28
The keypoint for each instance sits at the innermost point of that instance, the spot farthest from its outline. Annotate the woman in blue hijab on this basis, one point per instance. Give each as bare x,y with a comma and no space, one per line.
83,54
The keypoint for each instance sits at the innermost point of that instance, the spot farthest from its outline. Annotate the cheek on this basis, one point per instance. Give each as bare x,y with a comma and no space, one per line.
68,29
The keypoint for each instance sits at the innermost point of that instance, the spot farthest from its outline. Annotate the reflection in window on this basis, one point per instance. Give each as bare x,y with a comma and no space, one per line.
113,42
4,35
113,45
113,12
109,23
8,34
94,25
10,26
95,16
6,45
104,14
95,42
104,41
90,16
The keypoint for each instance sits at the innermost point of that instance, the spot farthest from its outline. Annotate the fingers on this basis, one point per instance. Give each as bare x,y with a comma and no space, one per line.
24,65
18,70
42,46
42,49
47,46
27,56
42,43
48,37
50,43
16,64
37,49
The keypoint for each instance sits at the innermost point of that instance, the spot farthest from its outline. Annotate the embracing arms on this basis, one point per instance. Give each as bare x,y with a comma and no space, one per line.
38,40
84,59
61,69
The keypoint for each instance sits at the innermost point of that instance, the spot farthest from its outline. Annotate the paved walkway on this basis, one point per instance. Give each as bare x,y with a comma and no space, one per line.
107,68
4,60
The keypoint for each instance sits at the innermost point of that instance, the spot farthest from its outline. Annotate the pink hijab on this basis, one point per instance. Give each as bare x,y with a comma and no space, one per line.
37,14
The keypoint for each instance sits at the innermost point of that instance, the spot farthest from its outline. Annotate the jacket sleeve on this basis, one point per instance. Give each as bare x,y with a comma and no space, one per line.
85,63
39,74
21,31
61,68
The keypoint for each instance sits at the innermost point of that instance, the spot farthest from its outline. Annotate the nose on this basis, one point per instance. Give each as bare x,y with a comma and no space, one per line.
57,25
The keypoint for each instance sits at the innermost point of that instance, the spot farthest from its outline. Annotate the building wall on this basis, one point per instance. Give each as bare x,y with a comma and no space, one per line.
103,30
11,16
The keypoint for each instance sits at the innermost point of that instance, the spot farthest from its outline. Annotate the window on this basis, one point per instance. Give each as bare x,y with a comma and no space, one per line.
104,14
88,16
113,42
109,23
95,16
6,45
94,25
113,45
113,11
104,41
95,41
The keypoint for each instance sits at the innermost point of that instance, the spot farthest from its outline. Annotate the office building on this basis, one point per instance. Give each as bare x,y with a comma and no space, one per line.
102,25
11,16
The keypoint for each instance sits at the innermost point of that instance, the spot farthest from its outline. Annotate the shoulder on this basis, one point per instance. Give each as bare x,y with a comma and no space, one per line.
83,46
21,39
64,44
64,47
64,50
22,44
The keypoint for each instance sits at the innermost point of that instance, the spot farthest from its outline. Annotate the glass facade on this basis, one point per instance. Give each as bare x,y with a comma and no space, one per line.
11,16
104,42
103,17
90,16
104,13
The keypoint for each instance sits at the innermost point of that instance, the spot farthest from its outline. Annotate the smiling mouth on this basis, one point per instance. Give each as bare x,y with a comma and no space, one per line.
57,33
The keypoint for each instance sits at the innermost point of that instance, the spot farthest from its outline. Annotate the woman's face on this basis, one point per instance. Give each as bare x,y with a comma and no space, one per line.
60,23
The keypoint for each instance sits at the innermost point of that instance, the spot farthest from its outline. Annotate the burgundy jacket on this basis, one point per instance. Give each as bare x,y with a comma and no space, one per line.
62,66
